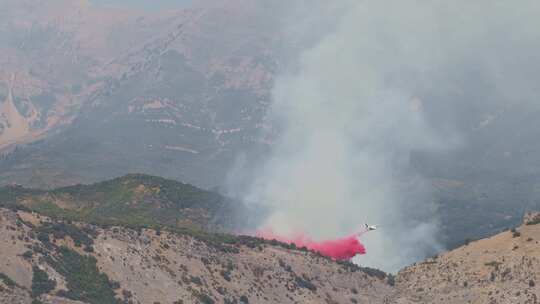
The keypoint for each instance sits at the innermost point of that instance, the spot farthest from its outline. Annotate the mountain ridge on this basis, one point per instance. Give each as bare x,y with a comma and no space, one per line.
136,200
46,256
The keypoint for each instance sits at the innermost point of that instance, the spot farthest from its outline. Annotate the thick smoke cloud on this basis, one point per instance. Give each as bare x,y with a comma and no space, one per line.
387,79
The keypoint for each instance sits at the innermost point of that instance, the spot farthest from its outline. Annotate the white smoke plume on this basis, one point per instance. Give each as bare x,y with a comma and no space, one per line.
374,89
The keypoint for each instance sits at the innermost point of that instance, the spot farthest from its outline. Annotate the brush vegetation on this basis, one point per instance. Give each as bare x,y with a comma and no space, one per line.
84,281
134,200
7,280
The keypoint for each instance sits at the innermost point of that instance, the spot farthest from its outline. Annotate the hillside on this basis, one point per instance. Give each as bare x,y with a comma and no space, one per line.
56,261
134,200
81,263
504,268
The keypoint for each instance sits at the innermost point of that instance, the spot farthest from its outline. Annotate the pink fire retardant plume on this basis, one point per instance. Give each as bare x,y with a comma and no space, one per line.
338,249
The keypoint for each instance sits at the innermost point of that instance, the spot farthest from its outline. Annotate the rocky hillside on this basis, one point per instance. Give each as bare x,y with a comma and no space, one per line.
504,268
49,261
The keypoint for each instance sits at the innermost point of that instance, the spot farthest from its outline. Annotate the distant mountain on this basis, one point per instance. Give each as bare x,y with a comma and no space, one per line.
103,91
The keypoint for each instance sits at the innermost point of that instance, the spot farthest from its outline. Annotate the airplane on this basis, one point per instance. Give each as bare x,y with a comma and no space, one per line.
370,227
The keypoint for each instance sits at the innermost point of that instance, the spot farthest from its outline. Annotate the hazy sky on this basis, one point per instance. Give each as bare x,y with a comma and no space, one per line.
146,4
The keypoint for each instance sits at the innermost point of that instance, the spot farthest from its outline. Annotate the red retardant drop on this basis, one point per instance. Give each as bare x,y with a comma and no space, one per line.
338,249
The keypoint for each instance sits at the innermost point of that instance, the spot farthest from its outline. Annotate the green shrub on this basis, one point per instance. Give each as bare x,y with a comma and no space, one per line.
61,230
493,264
84,281
43,237
304,282
7,280
226,275
196,280
205,299
391,280
534,221
373,272
515,233
41,283
27,254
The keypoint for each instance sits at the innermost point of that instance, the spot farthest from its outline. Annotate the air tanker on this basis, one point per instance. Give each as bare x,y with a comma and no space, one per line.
370,227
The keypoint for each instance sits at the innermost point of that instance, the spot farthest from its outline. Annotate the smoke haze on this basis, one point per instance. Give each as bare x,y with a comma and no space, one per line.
387,80
419,116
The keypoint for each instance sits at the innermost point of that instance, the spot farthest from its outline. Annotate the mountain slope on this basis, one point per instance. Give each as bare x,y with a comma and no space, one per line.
504,268
198,76
163,267
59,261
